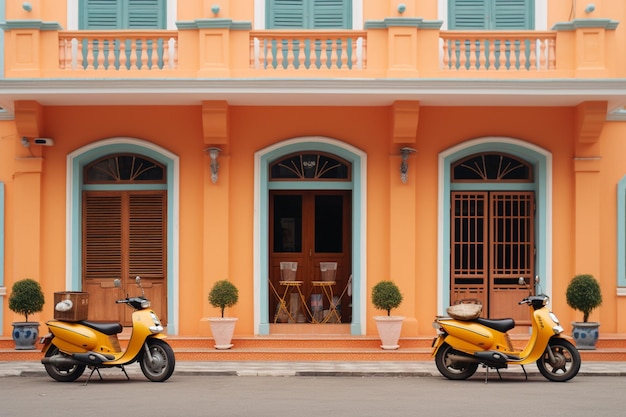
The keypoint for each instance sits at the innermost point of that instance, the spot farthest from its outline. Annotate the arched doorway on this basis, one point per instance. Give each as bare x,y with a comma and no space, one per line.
495,226
343,199
127,198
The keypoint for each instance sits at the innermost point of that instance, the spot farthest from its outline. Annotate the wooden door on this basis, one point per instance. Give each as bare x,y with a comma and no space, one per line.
492,236
124,236
309,227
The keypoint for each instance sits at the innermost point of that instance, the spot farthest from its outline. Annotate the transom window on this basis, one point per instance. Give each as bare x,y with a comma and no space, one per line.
310,166
124,168
491,167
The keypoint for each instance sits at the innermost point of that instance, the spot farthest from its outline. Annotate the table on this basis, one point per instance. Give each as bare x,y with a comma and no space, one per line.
284,304
327,289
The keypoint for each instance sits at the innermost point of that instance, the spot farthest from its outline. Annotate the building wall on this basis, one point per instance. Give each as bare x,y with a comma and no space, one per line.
216,221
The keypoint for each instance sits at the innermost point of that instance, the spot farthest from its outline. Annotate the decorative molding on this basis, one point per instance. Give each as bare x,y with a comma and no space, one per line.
607,24
29,118
416,22
590,118
213,24
29,24
404,121
215,122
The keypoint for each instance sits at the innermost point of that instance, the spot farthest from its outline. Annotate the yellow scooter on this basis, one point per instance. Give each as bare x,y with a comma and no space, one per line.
72,346
465,341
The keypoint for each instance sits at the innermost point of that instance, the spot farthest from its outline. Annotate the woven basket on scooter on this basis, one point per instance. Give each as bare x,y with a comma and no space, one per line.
465,311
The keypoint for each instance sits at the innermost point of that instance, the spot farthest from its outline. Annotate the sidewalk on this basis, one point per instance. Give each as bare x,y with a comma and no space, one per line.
264,368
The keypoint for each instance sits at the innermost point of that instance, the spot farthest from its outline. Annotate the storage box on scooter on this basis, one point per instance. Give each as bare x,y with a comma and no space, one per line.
79,305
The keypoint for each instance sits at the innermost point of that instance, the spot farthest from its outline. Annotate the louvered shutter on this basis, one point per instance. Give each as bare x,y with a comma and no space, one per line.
513,14
102,235
331,14
491,14
146,14
285,14
309,14
147,235
101,14
467,14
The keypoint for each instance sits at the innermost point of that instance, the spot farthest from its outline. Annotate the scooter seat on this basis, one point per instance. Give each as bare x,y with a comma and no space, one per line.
501,325
106,328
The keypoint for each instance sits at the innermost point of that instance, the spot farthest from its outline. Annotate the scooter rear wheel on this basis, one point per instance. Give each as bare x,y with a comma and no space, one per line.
158,366
453,369
566,362
62,374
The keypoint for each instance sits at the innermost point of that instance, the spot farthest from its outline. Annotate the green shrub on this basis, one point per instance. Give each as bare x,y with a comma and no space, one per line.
386,296
223,294
26,297
584,294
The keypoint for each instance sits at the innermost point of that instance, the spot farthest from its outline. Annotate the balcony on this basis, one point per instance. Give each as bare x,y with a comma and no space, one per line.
385,50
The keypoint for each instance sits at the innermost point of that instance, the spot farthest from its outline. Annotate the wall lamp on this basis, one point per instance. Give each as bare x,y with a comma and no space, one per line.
215,167
404,165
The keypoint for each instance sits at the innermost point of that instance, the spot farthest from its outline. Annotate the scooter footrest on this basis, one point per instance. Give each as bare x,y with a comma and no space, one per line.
93,358
492,358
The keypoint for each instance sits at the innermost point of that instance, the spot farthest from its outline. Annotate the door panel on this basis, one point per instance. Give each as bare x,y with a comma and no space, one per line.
124,236
492,238
310,227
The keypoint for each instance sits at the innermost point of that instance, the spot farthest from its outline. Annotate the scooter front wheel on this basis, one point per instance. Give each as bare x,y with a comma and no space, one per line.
157,363
450,368
70,372
565,362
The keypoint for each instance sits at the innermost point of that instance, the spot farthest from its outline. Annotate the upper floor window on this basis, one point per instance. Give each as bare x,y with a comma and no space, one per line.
122,14
309,14
491,14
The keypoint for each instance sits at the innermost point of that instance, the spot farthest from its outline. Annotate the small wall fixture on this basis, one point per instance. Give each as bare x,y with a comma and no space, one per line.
404,165
590,8
213,154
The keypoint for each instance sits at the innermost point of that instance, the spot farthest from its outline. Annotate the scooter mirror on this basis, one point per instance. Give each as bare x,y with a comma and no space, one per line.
521,281
117,283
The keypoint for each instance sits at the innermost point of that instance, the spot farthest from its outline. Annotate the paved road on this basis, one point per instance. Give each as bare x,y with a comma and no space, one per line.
271,396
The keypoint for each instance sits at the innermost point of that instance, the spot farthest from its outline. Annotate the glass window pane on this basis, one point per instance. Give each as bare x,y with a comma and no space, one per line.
328,223
287,223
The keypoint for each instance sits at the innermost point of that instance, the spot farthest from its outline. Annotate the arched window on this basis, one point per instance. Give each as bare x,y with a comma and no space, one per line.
491,167
124,168
310,166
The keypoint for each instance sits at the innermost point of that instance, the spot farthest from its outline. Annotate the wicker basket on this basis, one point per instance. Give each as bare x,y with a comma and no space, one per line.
465,311
328,271
80,305
288,271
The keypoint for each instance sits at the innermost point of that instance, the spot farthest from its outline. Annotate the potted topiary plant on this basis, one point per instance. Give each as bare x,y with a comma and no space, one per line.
386,296
26,298
584,294
223,294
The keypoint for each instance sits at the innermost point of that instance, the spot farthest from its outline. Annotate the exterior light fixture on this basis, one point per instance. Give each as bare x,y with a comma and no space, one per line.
213,154
404,165
590,8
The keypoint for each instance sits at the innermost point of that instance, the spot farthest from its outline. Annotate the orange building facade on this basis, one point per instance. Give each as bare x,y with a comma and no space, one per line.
399,141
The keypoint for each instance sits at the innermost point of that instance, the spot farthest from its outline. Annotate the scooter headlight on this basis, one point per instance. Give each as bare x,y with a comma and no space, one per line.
554,318
158,327
145,303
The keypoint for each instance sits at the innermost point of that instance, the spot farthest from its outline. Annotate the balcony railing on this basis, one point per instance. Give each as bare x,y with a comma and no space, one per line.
404,52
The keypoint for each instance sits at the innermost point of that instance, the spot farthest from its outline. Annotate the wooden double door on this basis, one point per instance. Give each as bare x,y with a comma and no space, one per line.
124,236
309,227
492,245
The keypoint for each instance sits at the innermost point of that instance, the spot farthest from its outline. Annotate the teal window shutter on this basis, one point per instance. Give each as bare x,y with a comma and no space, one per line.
122,14
309,14
491,14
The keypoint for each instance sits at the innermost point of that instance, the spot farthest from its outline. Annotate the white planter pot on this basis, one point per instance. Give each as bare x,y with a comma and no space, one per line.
222,329
389,328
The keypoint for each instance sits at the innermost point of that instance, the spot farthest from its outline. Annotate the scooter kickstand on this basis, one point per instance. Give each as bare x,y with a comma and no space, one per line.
525,374
124,370
94,369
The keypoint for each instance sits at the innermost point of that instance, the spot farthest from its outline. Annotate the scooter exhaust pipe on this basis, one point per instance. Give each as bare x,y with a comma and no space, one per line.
462,358
60,361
